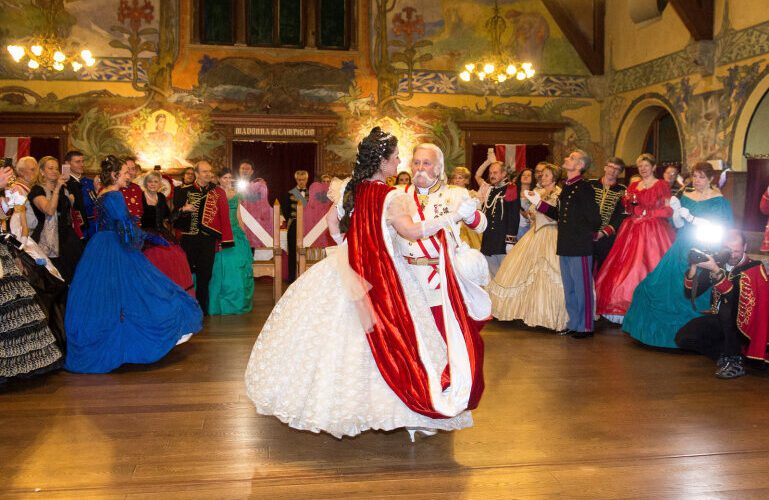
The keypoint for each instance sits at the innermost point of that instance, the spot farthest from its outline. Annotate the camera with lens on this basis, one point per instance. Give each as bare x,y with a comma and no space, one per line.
697,256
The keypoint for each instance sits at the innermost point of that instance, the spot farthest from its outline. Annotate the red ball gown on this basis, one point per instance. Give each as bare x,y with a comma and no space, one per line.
642,240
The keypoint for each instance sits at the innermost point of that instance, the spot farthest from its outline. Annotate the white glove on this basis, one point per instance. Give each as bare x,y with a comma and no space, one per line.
490,156
698,221
466,210
338,238
533,197
685,214
508,247
675,203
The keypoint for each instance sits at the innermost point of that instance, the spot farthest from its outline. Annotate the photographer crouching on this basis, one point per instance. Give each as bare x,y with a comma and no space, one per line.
736,326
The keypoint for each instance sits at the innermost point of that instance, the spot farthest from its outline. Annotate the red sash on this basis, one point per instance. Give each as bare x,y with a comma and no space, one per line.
393,338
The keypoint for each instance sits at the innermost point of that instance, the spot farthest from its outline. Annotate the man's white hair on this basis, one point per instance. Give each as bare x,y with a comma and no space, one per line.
438,156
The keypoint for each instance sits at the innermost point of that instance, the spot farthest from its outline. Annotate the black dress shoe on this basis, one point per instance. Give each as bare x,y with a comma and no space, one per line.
565,332
581,335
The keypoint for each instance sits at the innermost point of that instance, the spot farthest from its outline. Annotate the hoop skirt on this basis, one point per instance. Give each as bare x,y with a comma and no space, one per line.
121,308
643,238
27,345
231,290
528,285
659,307
312,365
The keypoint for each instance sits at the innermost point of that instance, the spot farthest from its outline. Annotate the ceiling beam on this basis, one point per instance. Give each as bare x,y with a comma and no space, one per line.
697,15
591,52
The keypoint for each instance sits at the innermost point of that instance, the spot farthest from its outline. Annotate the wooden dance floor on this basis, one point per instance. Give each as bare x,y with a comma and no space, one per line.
596,418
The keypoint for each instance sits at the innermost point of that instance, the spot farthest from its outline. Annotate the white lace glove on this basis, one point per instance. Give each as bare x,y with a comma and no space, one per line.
533,197
675,203
466,211
337,237
686,215
430,227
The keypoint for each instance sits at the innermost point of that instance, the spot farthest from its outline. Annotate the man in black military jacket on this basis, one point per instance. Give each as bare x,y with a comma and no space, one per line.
608,196
501,206
578,221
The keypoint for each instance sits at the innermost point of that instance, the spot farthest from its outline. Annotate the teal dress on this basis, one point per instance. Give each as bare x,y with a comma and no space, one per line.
659,307
231,290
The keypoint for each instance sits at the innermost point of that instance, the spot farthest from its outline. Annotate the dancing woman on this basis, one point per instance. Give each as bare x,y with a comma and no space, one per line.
353,345
121,308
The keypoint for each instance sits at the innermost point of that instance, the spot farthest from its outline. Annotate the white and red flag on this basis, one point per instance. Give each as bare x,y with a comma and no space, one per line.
513,155
14,147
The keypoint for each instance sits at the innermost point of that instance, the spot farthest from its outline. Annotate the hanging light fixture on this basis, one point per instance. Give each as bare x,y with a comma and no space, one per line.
48,52
498,66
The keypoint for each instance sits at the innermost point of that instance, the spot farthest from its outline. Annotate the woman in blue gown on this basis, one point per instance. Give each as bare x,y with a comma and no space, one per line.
659,307
121,308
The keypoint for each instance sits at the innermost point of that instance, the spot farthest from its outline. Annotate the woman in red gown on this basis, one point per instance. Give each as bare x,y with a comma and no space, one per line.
642,240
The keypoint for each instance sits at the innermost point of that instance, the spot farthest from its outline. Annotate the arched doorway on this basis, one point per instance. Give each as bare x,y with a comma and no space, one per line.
750,155
649,127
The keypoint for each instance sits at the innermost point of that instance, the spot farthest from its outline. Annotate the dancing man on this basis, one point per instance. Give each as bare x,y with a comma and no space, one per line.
433,198
352,345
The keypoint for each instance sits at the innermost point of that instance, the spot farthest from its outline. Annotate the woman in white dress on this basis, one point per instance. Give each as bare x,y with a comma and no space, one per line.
353,345
528,285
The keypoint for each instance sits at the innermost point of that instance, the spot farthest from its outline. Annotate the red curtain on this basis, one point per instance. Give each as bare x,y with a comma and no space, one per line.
276,162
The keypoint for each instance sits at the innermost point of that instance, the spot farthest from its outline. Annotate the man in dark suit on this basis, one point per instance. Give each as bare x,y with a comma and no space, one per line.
298,194
578,221
84,192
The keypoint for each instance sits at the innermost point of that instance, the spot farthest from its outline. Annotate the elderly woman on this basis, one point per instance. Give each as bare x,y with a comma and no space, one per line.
156,218
52,206
460,176
24,220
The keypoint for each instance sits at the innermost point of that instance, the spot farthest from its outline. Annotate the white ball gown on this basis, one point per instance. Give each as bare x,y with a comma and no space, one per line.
312,366
528,285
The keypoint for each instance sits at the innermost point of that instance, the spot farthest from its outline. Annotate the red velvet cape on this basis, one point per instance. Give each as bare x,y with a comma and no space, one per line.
393,338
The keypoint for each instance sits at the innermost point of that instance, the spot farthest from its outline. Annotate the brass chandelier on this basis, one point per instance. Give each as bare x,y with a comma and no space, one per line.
48,52
497,67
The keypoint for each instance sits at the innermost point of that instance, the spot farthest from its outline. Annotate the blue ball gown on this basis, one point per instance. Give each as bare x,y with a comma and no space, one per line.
659,307
121,308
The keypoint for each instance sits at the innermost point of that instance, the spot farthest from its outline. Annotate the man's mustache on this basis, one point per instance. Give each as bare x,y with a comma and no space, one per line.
423,174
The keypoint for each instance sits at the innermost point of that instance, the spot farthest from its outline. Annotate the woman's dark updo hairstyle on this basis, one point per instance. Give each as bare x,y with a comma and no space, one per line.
377,146
109,165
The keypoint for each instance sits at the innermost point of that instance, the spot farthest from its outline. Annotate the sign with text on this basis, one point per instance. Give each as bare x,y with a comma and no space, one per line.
275,131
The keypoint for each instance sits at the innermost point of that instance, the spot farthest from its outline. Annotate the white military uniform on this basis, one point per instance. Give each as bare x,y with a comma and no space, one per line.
422,255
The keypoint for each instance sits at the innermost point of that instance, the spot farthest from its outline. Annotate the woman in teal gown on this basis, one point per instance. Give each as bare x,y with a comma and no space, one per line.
231,290
121,308
659,307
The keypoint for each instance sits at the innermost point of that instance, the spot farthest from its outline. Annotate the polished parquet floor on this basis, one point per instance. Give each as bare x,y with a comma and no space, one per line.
561,418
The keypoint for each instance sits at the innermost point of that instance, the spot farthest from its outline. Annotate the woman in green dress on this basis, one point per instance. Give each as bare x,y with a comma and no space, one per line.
659,307
231,290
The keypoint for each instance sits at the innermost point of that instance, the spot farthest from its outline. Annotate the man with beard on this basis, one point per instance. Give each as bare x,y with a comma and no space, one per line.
434,198
608,196
501,205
